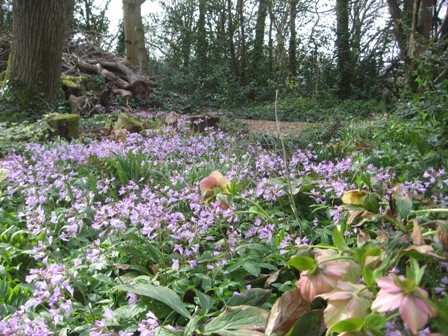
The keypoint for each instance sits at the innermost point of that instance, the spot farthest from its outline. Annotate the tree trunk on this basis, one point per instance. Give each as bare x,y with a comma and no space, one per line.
412,28
259,33
36,51
140,31
69,11
129,18
243,53
231,31
419,38
202,38
343,48
292,38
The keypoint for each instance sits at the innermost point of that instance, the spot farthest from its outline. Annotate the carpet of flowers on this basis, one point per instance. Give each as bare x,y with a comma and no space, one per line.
115,238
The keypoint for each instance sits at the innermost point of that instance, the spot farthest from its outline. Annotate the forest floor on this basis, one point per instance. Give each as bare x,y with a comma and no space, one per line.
270,127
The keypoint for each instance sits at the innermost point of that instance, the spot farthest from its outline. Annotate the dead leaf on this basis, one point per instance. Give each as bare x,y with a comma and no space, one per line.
416,236
353,216
426,250
272,278
363,237
442,235
381,236
286,311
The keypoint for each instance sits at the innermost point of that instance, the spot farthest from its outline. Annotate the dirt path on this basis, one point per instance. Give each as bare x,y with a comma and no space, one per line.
270,127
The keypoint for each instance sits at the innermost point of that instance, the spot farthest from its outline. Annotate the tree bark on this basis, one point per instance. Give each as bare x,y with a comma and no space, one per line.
419,38
243,53
231,32
201,48
259,32
36,51
129,18
292,38
343,48
140,31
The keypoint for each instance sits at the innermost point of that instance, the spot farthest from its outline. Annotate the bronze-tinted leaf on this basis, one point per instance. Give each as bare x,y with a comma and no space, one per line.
354,197
416,236
286,311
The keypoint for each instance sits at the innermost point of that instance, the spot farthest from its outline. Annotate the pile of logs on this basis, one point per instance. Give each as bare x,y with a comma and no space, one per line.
82,60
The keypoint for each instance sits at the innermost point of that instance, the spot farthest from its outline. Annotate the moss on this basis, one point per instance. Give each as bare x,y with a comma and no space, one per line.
66,125
74,82
128,122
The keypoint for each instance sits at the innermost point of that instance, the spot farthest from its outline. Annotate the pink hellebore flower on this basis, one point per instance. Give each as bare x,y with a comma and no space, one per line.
324,278
214,181
414,310
346,301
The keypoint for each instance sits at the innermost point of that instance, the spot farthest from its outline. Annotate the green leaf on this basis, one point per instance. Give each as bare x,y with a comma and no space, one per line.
234,318
250,297
365,177
251,269
370,203
160,293
302,263
414,272
307,325
205,301
191,326
339,241
3,173
349,325
375,321
403,201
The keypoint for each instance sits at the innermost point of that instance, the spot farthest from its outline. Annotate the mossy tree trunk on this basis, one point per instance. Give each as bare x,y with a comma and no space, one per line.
343,48
36,51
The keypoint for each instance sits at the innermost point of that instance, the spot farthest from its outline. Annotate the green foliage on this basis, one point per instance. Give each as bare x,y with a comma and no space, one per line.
315,109
15,136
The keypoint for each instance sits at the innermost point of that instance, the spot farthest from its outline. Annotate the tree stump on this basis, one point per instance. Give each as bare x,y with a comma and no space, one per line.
128,122
199,122
65,125
170,119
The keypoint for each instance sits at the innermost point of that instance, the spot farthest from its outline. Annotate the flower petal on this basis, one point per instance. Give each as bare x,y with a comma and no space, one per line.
386,301
224,183
388,284
216,174
415,312
207,184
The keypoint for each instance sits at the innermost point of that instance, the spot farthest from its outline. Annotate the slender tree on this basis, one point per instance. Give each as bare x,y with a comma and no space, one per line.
293,37
243,50
343,47
259,36
36,51
231,32
141,42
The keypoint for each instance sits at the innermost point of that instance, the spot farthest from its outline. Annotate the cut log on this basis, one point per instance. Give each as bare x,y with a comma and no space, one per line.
125,94
132,77
199,122
79,105
89,68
